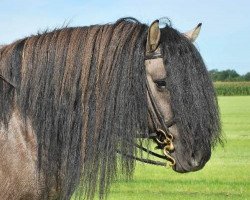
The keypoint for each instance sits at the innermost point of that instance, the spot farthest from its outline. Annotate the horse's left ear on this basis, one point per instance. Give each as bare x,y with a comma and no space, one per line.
153,37
193,34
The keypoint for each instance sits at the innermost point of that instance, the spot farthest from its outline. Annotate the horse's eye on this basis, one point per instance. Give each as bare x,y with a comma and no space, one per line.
161,84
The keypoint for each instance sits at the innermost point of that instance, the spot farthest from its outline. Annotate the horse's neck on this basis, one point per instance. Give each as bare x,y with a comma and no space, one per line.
18,155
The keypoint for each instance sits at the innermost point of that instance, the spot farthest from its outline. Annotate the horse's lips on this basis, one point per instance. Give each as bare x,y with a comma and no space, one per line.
184,167
178,167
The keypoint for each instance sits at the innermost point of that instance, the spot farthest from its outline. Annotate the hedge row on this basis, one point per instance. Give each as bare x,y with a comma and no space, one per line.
232,88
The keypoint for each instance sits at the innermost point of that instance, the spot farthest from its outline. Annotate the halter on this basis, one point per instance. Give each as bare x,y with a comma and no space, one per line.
162,136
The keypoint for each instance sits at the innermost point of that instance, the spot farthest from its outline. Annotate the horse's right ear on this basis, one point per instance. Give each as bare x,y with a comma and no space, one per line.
153,37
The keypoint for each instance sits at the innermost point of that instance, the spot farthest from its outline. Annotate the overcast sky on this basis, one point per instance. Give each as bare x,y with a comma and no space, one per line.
224,41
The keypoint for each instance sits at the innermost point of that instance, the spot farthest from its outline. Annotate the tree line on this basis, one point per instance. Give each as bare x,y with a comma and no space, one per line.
228,75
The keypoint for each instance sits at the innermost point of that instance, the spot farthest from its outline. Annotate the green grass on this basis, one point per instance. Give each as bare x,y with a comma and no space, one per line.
225,176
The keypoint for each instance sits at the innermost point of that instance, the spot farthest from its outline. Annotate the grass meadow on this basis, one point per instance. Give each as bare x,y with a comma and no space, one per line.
225,176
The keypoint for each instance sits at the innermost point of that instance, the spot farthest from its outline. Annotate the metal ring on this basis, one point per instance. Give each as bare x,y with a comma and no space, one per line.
170,158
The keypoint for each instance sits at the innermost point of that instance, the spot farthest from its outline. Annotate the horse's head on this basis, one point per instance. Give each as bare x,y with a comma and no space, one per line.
181,138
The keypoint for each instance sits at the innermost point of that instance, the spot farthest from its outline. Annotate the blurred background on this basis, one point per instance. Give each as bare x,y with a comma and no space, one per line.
224,43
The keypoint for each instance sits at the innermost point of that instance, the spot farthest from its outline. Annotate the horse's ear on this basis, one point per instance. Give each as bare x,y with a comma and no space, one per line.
193,34
153,37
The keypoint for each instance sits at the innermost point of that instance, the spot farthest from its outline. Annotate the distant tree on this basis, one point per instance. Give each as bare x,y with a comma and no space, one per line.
225,75
214,74
240,78
247,76
222,75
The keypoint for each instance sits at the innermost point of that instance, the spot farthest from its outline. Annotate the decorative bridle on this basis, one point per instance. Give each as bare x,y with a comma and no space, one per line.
162,137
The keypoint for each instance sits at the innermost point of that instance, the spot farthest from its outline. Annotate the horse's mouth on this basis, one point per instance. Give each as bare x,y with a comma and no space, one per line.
184,166
178,167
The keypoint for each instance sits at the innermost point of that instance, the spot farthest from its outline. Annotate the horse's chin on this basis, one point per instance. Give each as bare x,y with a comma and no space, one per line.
181,169
184,169
184,166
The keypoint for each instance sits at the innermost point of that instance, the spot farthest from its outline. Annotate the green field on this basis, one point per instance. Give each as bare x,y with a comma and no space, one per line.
232,88
226,175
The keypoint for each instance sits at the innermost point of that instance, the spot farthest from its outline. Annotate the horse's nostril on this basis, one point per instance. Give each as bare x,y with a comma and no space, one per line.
194,163
195,160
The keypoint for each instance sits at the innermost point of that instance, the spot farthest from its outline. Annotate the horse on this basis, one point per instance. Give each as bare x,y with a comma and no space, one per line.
77,103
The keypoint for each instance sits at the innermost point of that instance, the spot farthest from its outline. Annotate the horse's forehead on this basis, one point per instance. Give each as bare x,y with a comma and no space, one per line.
155,68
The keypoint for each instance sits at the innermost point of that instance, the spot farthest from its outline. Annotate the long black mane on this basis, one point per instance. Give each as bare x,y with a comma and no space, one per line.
193,98
84,90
